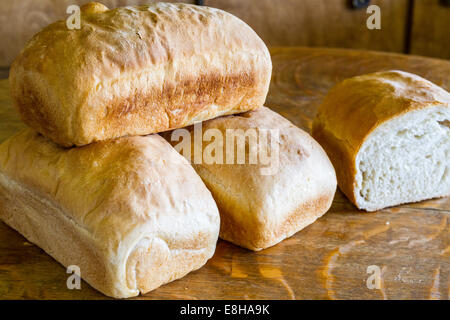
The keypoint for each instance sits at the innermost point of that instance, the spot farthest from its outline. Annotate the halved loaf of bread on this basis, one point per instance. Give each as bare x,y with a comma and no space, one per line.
388,137
131,213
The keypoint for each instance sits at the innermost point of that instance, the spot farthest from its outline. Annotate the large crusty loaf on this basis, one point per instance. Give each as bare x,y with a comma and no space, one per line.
138,70
265,201
388,137
131,212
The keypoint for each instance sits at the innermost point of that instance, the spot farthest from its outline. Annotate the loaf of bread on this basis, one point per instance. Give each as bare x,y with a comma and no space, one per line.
131,213
388,137
138,70
265,201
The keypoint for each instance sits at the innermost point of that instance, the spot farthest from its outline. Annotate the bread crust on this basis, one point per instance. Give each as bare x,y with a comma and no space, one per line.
354,108
131,212
258,211
138,70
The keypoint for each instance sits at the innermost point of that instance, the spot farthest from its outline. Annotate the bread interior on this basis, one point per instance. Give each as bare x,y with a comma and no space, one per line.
405,160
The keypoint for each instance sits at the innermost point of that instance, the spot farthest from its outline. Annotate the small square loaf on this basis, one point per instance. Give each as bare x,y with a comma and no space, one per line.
261,202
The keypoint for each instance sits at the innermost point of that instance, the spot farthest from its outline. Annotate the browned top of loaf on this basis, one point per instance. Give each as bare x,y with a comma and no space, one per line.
136,43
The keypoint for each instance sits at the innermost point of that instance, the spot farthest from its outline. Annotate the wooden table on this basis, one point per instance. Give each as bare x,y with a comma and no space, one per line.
329,259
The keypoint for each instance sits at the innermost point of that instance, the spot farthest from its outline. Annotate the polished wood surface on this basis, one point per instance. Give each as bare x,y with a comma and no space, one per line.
326,23
430,35
326,260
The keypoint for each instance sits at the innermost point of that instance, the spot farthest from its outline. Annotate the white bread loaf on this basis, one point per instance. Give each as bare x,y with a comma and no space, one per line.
138,70
264,202
388,137
131,212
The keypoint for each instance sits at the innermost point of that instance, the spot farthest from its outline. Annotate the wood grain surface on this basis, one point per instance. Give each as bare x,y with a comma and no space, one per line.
328,259
430,34
326,23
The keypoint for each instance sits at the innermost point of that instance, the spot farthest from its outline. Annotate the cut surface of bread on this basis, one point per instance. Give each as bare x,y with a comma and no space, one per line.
406,159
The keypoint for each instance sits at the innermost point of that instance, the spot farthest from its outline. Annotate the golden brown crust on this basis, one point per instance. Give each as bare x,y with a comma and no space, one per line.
342,158
131,212
256,240
258,210
138,70
357,106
